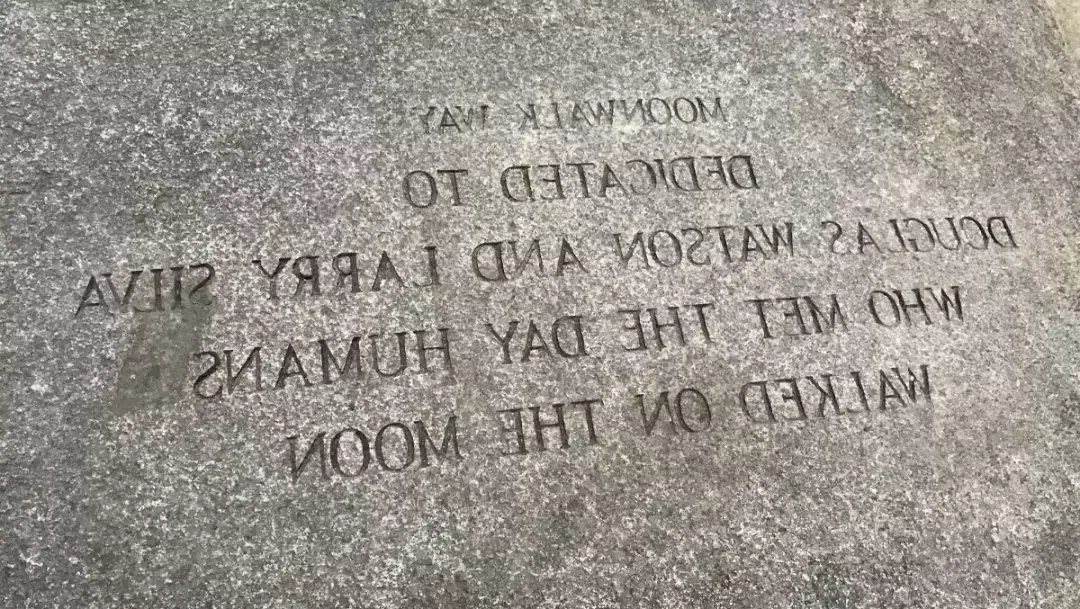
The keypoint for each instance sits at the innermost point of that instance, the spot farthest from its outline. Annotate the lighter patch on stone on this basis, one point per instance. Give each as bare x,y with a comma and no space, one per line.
1067,16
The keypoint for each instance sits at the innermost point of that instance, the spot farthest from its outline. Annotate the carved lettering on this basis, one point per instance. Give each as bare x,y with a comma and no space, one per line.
393,448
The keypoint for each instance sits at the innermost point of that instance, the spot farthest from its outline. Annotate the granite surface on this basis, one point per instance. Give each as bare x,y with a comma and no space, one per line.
565,305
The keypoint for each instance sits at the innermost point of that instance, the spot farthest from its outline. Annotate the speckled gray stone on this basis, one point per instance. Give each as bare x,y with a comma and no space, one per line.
144,135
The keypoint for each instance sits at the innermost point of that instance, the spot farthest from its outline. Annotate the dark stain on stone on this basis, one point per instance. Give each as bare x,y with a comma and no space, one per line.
430,586
829,588
154,370
1059,548
1070,413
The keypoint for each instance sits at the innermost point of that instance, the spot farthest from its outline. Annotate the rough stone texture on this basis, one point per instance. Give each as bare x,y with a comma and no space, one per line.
146,135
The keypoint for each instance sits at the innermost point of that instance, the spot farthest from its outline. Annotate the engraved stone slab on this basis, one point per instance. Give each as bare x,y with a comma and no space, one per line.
716,304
